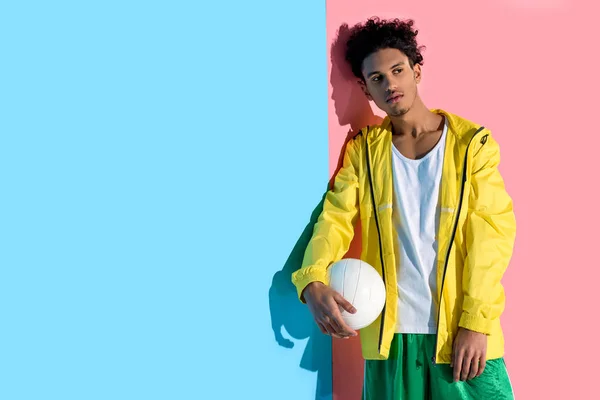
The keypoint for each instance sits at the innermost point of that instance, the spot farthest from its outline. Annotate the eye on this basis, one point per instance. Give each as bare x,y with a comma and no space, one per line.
376,78
397,70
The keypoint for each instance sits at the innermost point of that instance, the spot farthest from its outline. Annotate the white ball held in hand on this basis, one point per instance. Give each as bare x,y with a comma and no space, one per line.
360,284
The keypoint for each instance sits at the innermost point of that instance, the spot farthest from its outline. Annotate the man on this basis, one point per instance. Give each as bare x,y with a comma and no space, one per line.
437,224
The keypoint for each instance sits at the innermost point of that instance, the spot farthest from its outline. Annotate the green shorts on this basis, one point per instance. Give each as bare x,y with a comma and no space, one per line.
410,374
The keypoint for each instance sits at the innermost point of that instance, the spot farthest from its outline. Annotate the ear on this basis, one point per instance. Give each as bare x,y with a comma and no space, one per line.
363,86
417,71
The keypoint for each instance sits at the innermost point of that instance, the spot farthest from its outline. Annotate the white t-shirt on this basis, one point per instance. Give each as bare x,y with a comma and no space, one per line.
416,221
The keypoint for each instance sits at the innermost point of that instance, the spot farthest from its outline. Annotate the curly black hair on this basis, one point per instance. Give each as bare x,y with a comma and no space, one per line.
376,34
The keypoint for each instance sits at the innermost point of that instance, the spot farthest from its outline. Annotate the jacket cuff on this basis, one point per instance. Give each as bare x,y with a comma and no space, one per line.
307,275
476,324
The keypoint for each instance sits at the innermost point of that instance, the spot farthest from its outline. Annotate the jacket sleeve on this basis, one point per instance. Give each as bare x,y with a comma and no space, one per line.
334,229
490,237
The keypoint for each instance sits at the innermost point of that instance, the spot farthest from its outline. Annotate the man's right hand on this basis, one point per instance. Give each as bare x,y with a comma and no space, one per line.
324,303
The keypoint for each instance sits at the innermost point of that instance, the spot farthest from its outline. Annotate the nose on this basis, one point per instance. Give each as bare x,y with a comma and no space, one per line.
391,86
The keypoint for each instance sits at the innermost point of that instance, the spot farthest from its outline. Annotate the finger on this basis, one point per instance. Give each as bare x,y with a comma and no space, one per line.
474,367
466,366
322,328
345,304
325,321
335,334
458,362
330,328
344,329
481,364
336,316
339,330
453,355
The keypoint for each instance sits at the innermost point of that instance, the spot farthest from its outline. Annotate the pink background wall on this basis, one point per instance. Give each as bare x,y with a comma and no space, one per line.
528,70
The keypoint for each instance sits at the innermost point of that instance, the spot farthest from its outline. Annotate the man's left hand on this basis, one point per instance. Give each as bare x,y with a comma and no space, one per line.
468,354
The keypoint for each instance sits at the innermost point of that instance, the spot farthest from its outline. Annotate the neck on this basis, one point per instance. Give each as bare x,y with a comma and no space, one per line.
416,121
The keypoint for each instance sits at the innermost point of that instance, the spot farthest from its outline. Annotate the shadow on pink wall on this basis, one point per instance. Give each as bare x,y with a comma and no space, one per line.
352,107
353,112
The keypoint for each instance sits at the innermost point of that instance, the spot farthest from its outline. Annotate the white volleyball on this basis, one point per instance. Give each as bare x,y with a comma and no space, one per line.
360,284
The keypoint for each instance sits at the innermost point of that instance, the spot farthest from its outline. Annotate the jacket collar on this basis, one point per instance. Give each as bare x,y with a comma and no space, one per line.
460,127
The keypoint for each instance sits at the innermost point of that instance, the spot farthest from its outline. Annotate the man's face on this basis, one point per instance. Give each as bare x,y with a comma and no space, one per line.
390,81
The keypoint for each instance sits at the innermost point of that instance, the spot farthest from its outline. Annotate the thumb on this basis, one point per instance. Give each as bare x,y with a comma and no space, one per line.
345,304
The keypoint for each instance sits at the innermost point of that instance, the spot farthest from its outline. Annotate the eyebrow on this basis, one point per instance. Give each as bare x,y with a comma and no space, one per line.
393,66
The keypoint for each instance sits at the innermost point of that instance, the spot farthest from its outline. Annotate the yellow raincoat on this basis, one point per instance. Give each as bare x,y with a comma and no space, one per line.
475,238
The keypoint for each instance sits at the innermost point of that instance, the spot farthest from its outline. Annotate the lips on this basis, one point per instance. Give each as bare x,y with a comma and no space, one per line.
393,98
